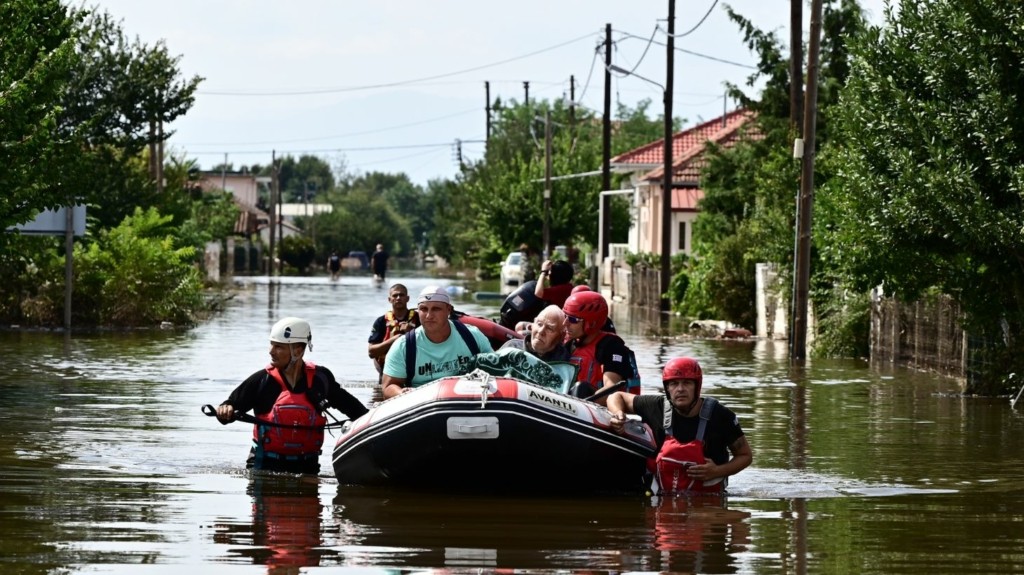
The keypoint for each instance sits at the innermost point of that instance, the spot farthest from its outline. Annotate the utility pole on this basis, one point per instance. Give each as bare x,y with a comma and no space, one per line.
802,271
606,149
526,90
273,211
572,101
547,183
796,63
487,107
280,216
666,192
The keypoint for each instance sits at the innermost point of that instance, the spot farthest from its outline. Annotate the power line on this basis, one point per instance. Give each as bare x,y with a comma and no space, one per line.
690,52
698,25
394,84
350,134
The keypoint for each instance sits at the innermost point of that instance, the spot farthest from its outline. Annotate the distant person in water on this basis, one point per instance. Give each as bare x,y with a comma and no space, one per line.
379,263
334,265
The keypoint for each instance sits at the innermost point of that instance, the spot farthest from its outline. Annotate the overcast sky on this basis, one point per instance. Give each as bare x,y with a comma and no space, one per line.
390,85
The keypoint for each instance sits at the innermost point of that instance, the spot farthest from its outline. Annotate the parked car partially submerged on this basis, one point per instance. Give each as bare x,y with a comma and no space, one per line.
512,269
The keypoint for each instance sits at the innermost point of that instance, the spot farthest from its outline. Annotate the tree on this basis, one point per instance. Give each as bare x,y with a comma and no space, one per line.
36,56
505,189
79,105
931,166
747,215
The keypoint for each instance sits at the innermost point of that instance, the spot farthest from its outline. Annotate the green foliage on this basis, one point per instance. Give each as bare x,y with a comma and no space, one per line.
844,324
212,217
133,275
406,200
931,167
359,221
304,179
37,53
748,212
298,253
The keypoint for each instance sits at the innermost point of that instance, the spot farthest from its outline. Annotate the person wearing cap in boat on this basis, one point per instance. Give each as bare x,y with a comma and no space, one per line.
438,348
290,391
700,441
545,337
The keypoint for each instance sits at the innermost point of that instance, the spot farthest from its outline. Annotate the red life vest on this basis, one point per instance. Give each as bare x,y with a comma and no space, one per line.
291,409
674,457
591,371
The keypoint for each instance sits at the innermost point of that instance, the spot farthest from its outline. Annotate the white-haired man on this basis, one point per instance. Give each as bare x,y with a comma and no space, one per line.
545,337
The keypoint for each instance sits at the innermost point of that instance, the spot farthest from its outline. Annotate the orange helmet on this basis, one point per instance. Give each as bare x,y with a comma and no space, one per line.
683,368
588,306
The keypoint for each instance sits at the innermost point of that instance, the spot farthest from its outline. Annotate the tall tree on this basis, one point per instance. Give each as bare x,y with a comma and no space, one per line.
37,54
747,215
932,163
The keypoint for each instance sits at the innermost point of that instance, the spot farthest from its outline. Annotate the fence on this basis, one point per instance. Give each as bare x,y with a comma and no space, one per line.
926,334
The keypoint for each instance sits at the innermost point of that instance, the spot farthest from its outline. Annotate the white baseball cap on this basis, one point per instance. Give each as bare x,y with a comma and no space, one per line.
434,293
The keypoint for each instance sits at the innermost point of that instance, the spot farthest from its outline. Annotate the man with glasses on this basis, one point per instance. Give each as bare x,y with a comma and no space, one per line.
545,336
602,357
391,326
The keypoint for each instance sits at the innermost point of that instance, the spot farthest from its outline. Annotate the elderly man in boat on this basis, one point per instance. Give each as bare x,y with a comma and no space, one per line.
545,337
438,348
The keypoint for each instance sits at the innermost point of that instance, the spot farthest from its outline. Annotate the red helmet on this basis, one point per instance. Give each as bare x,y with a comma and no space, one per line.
589,306
580,288
683,368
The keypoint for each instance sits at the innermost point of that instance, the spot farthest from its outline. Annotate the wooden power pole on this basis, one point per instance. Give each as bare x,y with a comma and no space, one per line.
805,204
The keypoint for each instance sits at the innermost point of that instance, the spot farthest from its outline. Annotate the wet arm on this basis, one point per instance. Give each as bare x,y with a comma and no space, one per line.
742,456
392,386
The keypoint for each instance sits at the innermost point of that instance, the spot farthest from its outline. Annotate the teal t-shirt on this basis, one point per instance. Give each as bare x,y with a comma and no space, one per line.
434,360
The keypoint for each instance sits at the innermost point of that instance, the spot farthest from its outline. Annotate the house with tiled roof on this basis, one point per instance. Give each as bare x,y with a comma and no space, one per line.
646,168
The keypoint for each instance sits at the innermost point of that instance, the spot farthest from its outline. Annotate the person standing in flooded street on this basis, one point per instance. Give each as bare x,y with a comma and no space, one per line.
695,435
289,398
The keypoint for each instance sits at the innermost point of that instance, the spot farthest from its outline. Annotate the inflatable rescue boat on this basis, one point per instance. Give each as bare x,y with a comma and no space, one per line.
492,433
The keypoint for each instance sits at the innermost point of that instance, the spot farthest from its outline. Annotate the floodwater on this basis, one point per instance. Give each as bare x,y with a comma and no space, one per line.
107,465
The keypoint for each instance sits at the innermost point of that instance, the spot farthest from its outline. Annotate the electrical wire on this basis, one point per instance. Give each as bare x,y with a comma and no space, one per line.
350,134
627,35
394,84
698,25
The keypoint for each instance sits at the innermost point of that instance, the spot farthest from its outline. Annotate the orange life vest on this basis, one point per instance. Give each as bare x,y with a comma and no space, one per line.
591,371
291,408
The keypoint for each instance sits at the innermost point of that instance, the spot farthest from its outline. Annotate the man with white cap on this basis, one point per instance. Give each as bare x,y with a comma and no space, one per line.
438,348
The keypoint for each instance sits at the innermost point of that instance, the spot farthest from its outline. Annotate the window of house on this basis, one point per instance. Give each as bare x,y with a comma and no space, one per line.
682,237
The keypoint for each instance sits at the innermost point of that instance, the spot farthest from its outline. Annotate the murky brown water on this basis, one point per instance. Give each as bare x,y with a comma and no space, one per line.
108,466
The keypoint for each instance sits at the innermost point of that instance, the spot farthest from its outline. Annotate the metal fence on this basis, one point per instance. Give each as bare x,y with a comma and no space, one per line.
926,334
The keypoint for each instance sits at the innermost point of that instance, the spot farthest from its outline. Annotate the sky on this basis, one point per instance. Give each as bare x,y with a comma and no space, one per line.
391,85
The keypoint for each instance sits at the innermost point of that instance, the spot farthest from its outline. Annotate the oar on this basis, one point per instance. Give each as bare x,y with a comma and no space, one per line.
212,412
607,391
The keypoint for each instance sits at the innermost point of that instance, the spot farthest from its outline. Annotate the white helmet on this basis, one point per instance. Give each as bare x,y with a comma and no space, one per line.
292,330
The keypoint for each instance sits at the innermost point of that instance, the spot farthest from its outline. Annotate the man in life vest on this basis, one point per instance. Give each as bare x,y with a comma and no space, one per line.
695,435
391,326
602,357
289,398
438,348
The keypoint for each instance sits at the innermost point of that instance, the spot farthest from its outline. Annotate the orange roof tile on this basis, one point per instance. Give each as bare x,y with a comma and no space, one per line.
687,149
